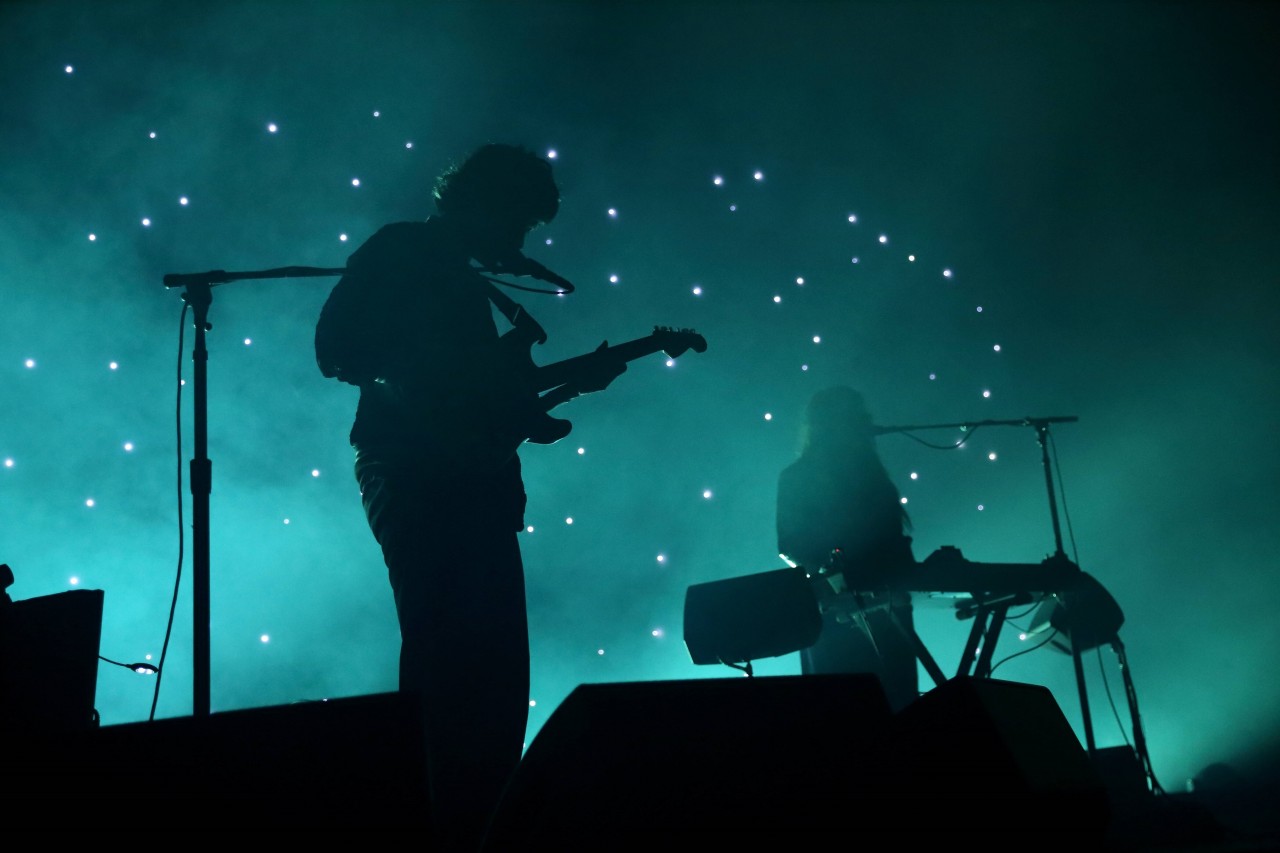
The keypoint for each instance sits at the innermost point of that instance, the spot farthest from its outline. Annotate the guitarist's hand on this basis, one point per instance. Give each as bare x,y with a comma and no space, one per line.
601,372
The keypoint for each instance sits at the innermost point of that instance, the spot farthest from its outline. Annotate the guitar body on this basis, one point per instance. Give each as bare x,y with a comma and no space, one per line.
533,421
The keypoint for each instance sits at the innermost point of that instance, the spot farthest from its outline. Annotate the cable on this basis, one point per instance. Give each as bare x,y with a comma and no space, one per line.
140,668
747,668
515,286
968,435
1062,496
1039,645
1139,739
173,605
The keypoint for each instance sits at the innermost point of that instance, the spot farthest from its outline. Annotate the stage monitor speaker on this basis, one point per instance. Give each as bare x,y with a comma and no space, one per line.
999,759
748,618
49,661
347,763
714,759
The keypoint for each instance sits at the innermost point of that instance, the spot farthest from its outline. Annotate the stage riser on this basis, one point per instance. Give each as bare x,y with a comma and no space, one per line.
344,763
816,757
727,758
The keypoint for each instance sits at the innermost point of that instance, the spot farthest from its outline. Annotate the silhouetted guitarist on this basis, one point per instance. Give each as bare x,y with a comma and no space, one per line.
444,406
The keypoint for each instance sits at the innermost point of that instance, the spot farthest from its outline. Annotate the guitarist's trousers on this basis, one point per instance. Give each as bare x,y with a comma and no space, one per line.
458,579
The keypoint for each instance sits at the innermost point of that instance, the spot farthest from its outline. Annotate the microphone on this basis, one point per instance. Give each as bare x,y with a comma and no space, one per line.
519,265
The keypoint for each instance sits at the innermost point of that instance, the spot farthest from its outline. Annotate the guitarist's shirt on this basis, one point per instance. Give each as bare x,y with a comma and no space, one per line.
410,324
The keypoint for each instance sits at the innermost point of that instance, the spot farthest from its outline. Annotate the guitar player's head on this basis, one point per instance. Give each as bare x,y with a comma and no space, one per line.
495,197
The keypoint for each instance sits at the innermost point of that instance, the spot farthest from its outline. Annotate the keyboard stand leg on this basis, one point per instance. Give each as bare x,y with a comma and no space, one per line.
922,653
1084,697
989,637
971,646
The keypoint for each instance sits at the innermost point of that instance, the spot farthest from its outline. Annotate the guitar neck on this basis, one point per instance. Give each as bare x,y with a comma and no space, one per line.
558,373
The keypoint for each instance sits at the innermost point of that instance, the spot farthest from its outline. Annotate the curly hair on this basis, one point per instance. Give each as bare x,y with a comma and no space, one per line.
498,175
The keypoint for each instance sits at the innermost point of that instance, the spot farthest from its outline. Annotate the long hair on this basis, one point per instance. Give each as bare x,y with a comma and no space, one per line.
837,428
499,175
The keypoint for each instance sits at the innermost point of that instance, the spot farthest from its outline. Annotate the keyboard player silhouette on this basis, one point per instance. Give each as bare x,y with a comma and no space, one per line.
839,514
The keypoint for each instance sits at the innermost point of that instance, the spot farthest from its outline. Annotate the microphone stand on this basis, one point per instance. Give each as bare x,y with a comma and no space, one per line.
199,297
1041,426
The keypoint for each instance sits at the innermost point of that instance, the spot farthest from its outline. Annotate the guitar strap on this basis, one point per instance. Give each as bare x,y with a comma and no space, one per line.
519,318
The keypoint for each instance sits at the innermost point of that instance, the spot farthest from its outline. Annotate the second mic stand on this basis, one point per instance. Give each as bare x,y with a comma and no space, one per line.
199,297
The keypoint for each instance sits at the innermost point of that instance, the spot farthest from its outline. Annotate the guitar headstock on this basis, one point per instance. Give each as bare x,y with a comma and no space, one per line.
676,342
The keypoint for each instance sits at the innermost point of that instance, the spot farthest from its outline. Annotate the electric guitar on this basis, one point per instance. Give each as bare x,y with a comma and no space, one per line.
547,386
